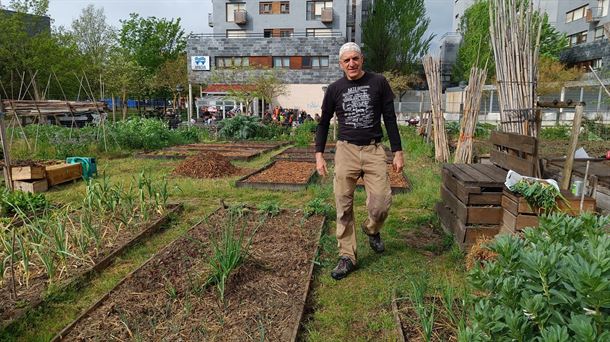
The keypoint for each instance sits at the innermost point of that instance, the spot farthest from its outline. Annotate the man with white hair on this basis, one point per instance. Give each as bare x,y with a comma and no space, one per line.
360,100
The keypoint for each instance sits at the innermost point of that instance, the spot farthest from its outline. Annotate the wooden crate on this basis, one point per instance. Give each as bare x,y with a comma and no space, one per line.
517,213
515,152
464,235
27,172
469,214
61,173
33,186
475,184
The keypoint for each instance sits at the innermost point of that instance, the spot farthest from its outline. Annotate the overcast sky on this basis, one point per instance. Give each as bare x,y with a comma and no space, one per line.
194,13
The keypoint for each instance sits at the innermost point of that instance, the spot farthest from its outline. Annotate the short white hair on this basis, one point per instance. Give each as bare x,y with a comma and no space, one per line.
347,47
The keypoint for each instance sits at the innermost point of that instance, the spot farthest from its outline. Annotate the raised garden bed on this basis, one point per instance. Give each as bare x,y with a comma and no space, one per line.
410,327
280,175
165,300
399,183
174,154
32,296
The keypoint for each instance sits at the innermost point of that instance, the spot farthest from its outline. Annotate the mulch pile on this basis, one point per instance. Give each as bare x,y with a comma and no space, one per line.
479,253
206,165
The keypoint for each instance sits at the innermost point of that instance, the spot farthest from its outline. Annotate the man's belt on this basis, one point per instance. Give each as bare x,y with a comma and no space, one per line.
363,143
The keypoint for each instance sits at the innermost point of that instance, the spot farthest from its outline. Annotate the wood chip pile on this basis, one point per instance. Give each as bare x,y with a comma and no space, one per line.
206,165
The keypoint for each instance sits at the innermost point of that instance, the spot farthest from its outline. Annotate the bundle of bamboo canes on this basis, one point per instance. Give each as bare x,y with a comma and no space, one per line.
515,37
432,67
472,103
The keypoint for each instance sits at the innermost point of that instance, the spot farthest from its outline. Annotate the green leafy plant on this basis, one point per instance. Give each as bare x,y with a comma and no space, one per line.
538,194
269,208
304,134
318,206
559,132
26,202
553,282
229,250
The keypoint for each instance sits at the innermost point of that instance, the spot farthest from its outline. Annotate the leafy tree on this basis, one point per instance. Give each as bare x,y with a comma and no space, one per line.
393,35
93,36
123,77
36,7
171,73
268,85
401,83
152,41
553,75
475,49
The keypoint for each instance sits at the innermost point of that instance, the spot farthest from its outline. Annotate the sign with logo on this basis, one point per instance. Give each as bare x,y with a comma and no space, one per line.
200,63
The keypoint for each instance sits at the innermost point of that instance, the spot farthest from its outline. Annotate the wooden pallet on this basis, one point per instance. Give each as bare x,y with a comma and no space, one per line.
515,152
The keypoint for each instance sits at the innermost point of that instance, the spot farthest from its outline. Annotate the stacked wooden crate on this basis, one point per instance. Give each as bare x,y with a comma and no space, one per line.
471,201
29,178
471,194
38,178
518,214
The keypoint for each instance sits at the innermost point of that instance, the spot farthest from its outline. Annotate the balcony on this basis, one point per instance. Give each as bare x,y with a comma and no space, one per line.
327,15
210,20
240,17
594,14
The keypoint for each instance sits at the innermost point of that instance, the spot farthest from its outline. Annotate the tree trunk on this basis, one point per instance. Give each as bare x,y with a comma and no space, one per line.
124,104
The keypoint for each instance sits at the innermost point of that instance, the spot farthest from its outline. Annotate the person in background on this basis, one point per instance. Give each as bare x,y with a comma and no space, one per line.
360,99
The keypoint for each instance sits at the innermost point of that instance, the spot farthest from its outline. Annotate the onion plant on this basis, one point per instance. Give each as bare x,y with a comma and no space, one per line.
424,312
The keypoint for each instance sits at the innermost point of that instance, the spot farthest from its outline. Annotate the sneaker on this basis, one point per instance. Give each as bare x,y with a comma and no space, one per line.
375,242
344,267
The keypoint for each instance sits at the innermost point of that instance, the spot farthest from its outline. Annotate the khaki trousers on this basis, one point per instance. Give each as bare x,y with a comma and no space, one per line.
352,162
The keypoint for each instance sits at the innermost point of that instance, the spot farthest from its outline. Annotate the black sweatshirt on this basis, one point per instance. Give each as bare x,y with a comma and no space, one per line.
359,105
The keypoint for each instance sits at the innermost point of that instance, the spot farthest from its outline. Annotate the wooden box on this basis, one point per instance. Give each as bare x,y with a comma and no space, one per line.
517,213
464,235
475,184
61,173
469,214
27,172
33,186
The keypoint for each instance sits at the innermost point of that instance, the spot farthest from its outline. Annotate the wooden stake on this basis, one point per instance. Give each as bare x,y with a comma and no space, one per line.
569,164
584,187
8,180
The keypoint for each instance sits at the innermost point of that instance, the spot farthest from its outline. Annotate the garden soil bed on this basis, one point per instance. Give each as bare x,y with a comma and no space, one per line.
427,240
29,298
281,174
398,181
164,299
443,330
206,165
172,154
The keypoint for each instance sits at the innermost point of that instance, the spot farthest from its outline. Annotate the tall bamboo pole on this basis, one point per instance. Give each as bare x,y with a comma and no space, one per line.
432,68
472,103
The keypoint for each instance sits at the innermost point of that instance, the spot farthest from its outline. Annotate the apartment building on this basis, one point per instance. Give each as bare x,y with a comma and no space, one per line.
299,38
587,25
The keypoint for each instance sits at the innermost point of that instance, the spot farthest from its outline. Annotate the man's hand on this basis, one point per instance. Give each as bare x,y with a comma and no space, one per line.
398,163
321,164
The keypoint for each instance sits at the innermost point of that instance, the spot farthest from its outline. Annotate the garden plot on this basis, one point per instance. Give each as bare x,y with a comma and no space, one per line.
280,175
237,154
304,154
62,246
170,296
399,182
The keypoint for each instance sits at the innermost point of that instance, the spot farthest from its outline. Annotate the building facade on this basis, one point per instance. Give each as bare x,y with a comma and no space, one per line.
587,25
298,40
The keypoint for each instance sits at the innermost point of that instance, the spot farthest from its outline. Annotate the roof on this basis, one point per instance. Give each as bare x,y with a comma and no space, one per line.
225,88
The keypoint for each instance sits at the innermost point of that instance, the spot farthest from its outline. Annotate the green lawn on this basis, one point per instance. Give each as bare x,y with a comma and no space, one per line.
357,308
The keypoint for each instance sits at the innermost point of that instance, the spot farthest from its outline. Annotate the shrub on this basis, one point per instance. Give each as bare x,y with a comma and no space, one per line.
304,134
16,202
244,127
551,285
559,132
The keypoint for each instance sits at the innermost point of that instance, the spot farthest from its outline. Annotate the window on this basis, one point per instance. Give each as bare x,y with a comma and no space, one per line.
314,9
314,32
593,63
578,38
265,8
281,62
599,33
236,33
232,7
603,7
576,14
268,33
229,62
314,62
284,7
